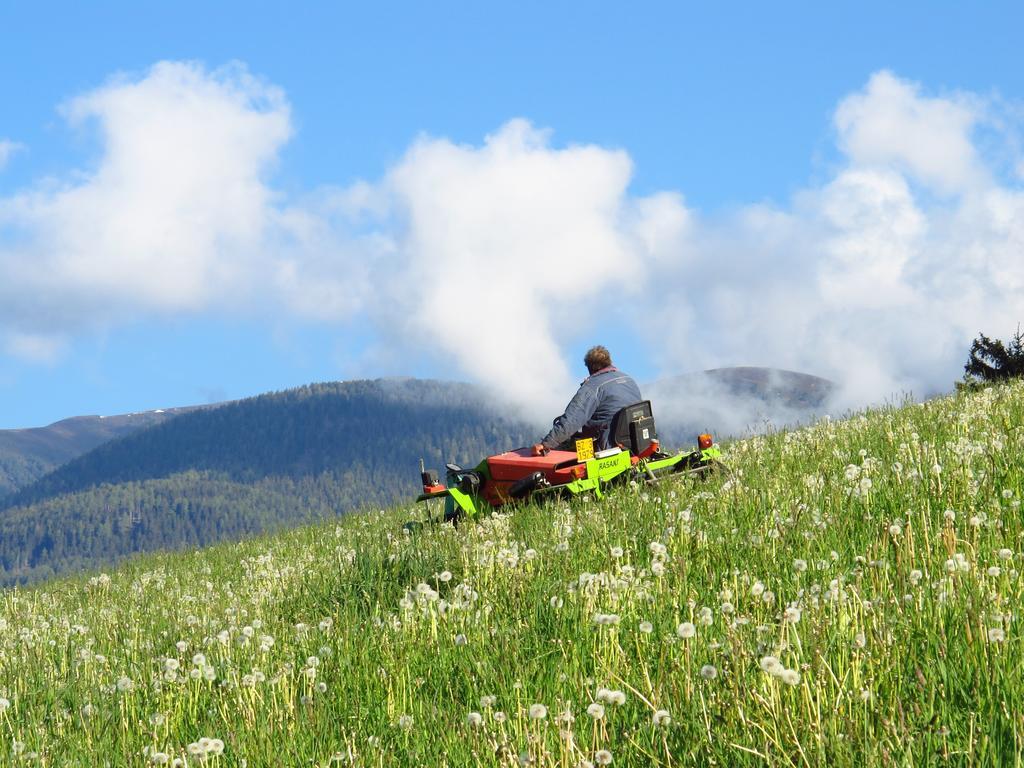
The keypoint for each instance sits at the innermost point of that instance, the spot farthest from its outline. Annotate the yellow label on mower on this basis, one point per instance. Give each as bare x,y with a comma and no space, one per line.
585,449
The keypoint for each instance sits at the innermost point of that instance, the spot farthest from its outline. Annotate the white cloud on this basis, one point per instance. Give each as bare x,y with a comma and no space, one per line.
176,215
891,124
505,250
495,257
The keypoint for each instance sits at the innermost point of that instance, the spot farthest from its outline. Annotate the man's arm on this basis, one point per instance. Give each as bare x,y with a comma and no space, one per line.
577,414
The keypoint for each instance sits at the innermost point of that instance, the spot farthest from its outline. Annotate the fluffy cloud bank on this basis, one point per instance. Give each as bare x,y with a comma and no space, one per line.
504,250
878,278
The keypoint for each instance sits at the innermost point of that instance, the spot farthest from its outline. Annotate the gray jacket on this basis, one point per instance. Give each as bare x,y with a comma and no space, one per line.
590,412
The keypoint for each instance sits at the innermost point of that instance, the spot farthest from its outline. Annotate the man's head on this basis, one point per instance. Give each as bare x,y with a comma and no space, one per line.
597,358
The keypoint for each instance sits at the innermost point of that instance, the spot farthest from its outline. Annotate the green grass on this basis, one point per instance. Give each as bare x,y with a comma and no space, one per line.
892,623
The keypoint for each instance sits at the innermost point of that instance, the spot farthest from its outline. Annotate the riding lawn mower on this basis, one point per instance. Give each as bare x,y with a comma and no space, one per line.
519,475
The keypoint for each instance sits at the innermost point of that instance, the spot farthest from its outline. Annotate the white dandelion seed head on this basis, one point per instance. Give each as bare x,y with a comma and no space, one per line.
405,722
474,719
686,630
662,718
996,635
538,711
596,711
646,627
790,677
603,757
708,672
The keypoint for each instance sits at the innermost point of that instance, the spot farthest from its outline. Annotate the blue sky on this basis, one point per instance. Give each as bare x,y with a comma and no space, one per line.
732,108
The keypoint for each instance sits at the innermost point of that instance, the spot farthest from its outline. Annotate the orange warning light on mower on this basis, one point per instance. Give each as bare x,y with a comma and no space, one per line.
705,441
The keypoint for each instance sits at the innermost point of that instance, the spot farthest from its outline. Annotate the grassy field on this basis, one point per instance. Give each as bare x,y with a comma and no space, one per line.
848,595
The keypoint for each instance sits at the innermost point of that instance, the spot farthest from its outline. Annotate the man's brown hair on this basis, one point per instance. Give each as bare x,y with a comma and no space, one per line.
597,358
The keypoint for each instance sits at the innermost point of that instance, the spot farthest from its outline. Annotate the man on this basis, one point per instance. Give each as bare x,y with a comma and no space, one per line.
605,392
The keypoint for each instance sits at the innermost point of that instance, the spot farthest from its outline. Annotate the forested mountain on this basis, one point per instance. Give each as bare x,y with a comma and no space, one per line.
246,467
28,454
279,459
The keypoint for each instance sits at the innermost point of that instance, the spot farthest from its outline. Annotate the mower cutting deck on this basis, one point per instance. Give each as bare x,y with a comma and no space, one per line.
518,475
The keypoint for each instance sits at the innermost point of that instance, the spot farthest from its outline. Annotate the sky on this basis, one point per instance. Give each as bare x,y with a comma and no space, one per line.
202,201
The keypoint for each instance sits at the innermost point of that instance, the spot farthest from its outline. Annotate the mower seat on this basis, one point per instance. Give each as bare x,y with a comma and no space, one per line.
632,428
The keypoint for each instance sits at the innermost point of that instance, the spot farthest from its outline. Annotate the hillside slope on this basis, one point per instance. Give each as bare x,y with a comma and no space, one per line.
28,454
846,597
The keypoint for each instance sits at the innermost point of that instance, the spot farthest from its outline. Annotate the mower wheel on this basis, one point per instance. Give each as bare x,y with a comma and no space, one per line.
703,470
455,515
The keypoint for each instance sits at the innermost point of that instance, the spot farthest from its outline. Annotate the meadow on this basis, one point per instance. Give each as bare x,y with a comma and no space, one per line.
846,595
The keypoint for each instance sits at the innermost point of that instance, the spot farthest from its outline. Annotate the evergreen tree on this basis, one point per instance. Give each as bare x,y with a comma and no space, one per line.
990,360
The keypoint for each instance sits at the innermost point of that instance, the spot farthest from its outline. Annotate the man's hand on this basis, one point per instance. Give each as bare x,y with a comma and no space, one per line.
540,450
